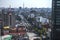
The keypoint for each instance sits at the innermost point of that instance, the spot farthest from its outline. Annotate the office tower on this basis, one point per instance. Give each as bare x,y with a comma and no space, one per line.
11,16
56,20
5,17
8,16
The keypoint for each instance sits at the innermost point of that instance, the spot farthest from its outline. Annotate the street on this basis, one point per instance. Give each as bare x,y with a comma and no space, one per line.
23,24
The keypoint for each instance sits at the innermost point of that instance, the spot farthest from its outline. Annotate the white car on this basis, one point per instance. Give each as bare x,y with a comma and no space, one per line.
35,38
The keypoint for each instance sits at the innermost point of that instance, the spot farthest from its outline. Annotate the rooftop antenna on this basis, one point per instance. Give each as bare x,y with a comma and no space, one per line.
23,5
9,6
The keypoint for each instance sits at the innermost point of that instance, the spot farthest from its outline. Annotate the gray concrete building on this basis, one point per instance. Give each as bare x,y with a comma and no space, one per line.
8,17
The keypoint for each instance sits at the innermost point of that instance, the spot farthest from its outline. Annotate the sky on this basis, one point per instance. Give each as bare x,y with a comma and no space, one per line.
27,3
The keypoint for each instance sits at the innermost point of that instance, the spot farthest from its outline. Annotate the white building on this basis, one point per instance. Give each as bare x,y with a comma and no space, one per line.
42,20
32,36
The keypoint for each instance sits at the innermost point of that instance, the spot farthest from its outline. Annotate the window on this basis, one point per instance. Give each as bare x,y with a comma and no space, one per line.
57,23
57,18
58,15
58,1
58,4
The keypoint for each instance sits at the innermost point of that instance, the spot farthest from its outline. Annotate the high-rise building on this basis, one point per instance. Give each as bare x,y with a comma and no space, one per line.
56,20
5,17
0,13
8,17
11,16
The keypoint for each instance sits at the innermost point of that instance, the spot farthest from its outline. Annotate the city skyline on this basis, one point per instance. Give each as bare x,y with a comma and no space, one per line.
26,3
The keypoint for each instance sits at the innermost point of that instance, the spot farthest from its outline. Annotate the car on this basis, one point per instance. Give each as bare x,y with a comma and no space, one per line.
6,27
36,38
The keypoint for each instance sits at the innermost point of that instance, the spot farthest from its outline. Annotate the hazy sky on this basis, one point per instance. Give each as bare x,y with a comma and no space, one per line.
27,3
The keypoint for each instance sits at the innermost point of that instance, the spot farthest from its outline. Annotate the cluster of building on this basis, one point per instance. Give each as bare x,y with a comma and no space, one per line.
9,15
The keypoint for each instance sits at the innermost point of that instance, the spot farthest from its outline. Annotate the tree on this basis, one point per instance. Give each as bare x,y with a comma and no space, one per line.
18,18
42,14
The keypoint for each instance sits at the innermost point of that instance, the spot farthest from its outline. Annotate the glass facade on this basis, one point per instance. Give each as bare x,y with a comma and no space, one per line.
56,11
58,4
56,19
58,1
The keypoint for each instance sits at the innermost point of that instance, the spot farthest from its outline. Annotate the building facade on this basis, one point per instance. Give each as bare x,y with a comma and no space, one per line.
5,17
56,20
8,17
